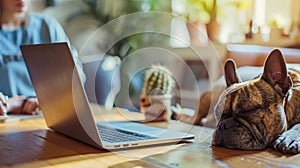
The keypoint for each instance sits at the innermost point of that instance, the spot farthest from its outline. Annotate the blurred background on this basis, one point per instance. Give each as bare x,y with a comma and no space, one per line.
238,21
116,79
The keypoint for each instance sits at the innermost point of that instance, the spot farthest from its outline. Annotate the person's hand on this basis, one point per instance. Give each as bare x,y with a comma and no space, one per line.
3,104
21,105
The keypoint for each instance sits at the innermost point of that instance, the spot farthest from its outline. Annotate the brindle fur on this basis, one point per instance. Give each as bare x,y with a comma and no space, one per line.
254,114
262,112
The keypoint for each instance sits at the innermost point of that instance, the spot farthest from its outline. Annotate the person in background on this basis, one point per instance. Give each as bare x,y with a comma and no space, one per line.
18,27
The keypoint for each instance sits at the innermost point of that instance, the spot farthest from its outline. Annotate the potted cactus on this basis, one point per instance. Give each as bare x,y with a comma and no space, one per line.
155,101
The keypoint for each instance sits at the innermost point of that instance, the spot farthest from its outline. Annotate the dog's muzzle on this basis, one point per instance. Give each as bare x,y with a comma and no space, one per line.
232,134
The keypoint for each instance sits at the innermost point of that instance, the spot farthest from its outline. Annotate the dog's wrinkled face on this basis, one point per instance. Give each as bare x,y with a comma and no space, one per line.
251,114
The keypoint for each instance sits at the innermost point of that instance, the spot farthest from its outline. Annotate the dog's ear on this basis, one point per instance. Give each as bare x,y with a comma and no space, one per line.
275,72
231,75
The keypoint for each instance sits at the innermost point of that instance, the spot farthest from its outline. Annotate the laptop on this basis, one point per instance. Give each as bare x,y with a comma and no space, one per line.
66,109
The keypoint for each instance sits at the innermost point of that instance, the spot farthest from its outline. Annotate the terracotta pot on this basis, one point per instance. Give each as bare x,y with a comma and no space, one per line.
156,107
213,30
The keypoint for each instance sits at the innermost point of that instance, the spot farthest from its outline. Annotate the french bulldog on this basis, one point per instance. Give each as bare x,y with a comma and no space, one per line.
262,112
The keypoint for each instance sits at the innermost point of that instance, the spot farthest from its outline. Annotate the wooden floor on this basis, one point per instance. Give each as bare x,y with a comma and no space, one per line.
29,143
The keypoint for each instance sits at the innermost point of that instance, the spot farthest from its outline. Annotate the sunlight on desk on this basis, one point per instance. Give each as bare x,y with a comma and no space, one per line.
29,143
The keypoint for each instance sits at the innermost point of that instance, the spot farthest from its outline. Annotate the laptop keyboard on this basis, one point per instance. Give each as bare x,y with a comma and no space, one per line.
113,135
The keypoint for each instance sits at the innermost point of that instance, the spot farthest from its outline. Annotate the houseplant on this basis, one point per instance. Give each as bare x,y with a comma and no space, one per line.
155,100
201,10
108,10
103,76
203,14
105,11
211,12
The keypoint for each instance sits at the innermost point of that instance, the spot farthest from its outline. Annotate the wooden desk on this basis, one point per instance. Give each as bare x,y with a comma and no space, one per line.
30,143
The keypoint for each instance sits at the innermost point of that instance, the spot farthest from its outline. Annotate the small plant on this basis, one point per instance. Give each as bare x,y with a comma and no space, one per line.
155,101
158,81
201,10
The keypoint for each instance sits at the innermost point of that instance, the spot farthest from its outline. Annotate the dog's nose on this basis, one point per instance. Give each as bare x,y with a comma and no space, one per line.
222,131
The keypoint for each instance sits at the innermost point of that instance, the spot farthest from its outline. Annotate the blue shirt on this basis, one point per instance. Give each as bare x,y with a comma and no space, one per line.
14,77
